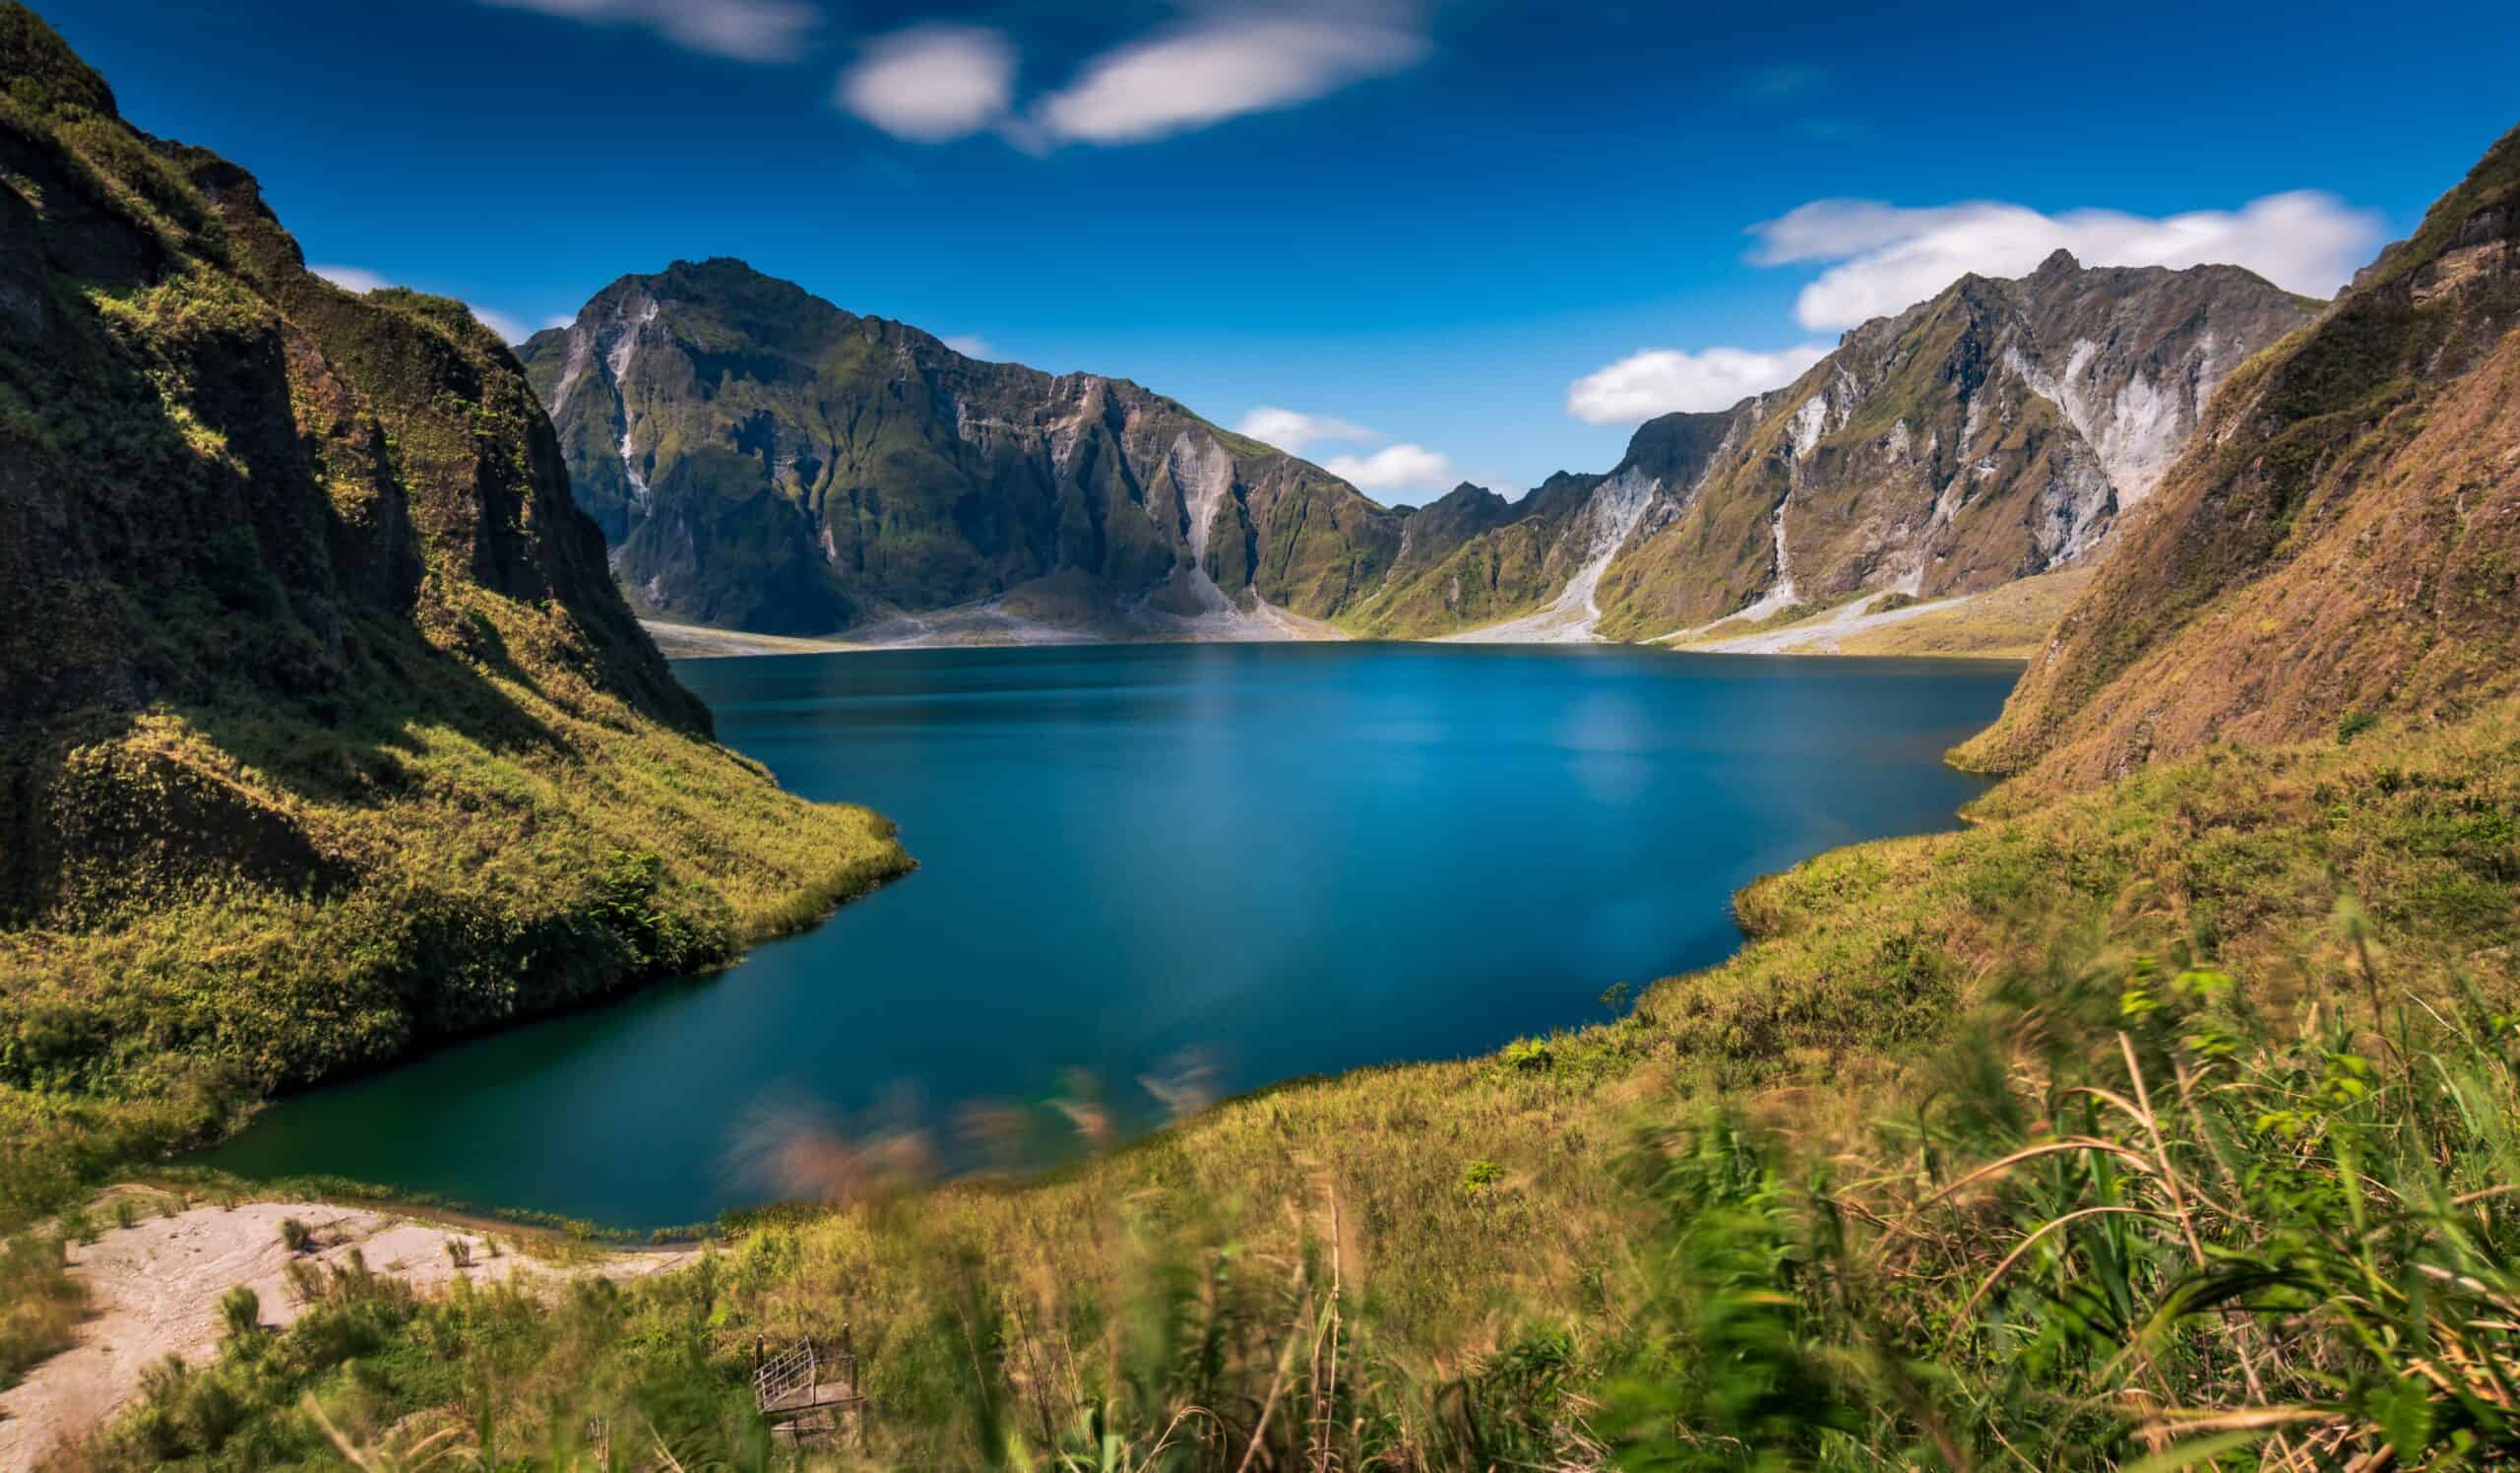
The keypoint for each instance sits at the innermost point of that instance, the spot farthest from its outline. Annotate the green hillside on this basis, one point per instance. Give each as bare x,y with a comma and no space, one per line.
323,732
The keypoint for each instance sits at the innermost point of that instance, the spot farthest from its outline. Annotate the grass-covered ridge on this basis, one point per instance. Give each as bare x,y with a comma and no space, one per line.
323,732
2342,537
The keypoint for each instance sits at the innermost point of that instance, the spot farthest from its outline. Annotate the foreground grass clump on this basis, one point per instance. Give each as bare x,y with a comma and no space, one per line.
1551,1258
39,1302
2139,1223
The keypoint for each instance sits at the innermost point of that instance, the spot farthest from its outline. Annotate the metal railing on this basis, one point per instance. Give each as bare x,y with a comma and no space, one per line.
781,1380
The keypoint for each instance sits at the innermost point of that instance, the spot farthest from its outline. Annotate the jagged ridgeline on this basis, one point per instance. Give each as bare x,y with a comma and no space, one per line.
1991,434
323,731
762,460
2342,541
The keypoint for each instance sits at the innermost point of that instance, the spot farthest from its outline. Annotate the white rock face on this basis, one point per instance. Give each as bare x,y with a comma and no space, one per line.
1780,593
2138,428
620,354
1204,474
1810,423
1603,526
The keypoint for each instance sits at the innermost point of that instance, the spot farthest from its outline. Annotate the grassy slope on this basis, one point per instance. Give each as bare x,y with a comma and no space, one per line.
2344,537
325,735
2010,622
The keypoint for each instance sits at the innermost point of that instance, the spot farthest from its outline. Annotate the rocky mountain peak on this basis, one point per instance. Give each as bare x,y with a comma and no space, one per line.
2059,262
2343,537
762,459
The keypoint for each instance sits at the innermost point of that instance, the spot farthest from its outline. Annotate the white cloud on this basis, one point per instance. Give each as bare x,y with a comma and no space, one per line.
508,328
744,30
1890,258
1660,380
969,345
351,278
360,280
564,319
1395,468
1291,431
1222,66
931,82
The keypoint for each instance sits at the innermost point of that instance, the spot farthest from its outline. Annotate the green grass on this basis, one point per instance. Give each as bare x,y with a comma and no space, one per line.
40,1303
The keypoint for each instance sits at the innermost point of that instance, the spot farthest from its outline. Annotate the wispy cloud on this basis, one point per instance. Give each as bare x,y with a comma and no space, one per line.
744,30
1398,467
1891,258
1291,430
1226,64
1395,468
509,328
969,345
360,280
931,82
1662,380
351,278
1791,80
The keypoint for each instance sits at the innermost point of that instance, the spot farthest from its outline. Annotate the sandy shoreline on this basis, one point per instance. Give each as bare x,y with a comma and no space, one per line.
155,1289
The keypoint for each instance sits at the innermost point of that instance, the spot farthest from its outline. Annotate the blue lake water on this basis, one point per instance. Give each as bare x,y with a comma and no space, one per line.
1271,859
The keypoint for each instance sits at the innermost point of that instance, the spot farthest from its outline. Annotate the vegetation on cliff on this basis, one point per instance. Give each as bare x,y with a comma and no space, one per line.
323,732
2344,539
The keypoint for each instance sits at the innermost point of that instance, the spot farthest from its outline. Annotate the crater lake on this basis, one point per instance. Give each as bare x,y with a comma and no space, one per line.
1158,873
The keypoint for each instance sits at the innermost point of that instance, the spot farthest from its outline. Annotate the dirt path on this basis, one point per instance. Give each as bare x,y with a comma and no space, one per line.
155,1289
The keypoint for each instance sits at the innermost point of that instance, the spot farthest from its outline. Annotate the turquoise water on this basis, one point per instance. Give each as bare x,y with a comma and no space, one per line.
1228,864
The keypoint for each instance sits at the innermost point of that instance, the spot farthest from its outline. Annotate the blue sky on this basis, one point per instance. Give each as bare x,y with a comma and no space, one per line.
1441,239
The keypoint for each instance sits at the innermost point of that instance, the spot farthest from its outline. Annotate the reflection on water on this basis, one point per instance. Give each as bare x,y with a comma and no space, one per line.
1152,875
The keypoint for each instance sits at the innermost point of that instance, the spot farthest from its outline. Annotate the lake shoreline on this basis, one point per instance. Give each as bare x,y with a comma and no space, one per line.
1040,785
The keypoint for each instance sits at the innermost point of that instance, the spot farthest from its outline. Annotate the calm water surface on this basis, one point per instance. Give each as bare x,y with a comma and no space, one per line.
1271,859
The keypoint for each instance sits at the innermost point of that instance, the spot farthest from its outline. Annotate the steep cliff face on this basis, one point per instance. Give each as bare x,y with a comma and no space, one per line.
763,460
1536,578
2342,538
323,731
1989,434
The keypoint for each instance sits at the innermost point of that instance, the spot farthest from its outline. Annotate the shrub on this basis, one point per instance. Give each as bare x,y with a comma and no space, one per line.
2353,724
126,1212
1530,1056
306,1280
240,1309
295,1235
459,1252
1481,1174
39,1302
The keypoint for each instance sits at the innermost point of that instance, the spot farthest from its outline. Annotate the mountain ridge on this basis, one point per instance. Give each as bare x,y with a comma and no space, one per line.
764,460
2340,542
850,467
